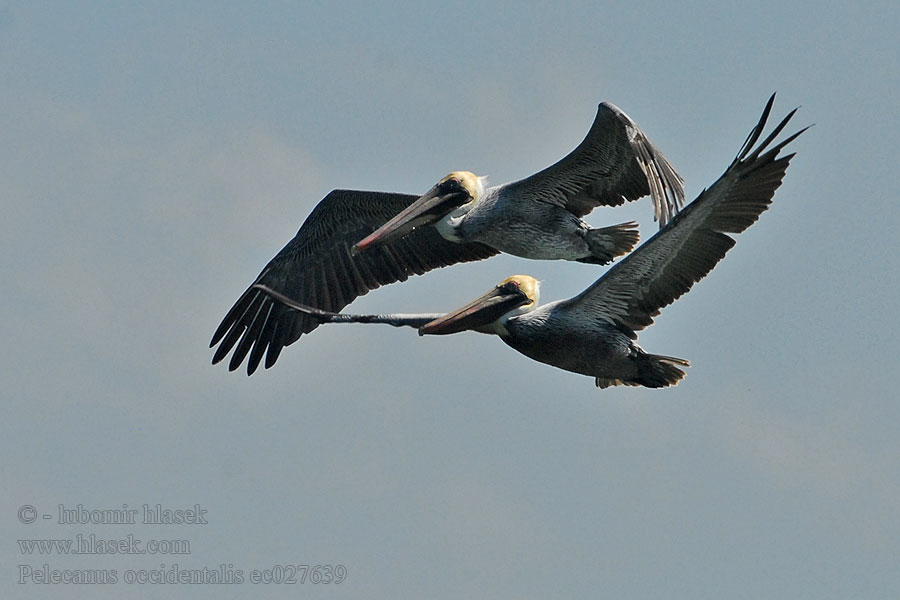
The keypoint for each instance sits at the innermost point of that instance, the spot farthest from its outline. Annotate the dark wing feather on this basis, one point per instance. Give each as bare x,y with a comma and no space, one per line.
615,163
682,253
316,269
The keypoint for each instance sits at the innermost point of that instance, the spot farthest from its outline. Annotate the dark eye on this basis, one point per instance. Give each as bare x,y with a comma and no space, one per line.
511,286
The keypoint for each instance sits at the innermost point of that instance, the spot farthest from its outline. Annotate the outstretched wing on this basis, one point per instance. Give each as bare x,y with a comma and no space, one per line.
317,269
615,163
682,253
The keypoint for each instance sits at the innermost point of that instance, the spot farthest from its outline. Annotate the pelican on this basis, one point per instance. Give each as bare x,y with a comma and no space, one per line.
594,333
355,241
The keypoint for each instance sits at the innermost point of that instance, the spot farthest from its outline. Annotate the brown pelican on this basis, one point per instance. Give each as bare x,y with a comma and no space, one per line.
540,216
537,217
594,333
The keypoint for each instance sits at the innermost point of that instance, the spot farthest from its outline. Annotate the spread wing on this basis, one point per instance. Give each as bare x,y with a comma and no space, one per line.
683,252
615,163
316,269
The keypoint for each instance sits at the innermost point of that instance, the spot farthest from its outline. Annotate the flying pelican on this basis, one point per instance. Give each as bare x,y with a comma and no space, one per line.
594,333
537,217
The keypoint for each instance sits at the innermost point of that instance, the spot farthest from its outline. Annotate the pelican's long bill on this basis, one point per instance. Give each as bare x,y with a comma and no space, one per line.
445,196
480,313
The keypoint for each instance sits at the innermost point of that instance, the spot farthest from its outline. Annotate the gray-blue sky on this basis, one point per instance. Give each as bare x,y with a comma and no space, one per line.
156,157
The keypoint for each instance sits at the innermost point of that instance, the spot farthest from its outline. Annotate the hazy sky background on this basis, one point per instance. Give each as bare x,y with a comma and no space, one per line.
156,155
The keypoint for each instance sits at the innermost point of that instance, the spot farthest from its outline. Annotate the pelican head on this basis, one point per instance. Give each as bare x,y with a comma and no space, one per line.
457,189
512,296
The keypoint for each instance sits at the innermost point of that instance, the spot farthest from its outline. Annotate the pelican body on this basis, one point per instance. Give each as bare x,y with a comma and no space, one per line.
551,334
356,241
462,209
540,217
595,333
